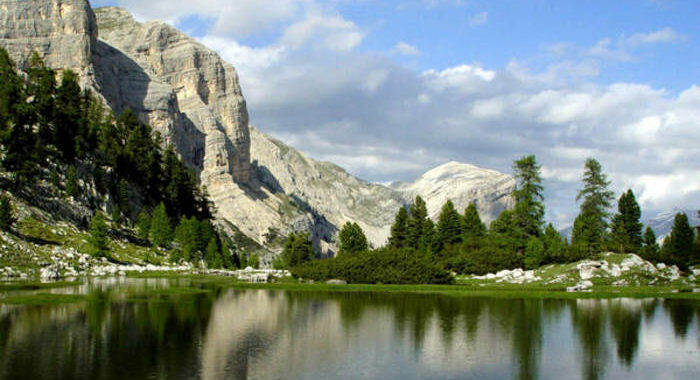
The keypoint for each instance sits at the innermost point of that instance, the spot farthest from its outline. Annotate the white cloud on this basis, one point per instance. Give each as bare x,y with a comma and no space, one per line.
479,19
664,35
332,32
404,48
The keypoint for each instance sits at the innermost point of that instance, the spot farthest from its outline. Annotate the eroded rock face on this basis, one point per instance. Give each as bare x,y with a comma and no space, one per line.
63,32
211,128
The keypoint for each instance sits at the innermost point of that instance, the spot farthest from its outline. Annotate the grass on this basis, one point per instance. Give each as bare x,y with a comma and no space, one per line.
34,285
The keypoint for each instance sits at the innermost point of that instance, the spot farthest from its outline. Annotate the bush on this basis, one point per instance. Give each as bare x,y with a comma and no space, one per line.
385,266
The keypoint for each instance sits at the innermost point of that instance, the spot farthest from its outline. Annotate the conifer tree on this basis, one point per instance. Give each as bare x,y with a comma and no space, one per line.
534,253
143,225
399,230
68,114
42,87
123,197
626,228
473,226
678,246
7,213
72,187
554,245
297,249
650,249
590,226
449,226
187,238
419,226
99,242
352,239
160,227
529,201
212,255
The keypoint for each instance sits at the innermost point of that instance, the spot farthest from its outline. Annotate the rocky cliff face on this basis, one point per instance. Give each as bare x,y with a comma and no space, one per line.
63,32
261,186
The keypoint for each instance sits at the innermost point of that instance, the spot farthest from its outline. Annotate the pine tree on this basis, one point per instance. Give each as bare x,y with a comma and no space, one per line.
297,249
212,255
68,114
591,224
534,253
529,201
449,226
554,246
99,242
650,249
352,239
72,187
42,87
7,213
143,225
160,227
123,198
678,246
419,226
187,238
473,226
626,228
399,230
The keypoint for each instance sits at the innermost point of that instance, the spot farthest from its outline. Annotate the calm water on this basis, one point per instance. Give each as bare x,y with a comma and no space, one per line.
264,334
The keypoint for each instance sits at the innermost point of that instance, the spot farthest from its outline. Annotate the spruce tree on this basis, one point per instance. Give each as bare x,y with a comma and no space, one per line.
7,213
650,249
143,225
99,242
297,249
678,246
529,201
187,238
212,255
42,87
590,226
352,239
72,187
534,253
626,228
399,230
419,225
554,246
473,226
160,227
68,114
449,226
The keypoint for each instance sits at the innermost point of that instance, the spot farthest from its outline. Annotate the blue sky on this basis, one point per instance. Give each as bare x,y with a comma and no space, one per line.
391,89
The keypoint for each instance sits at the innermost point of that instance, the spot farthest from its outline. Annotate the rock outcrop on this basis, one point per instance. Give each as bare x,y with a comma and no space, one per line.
63,32
462,183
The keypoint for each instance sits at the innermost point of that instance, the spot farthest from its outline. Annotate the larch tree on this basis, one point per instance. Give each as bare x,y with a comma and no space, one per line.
590,226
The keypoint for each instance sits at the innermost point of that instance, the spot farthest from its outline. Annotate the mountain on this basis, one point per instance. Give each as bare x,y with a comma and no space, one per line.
662,222
259,186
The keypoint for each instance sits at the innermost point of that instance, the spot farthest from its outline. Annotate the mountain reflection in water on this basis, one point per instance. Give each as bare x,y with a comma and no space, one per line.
170,329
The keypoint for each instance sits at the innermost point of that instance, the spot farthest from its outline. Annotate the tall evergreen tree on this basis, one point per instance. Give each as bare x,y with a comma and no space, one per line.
68,114
99,242
72,186
449,226
143,225
529,201
7,213
297,249
626,227
590,226
419,225
399,230
554,246
187,238
41,87
678,246
161,233
352,239
650,249
473,226
212,254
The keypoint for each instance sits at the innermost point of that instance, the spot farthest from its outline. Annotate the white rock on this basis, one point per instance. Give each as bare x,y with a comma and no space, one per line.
49,274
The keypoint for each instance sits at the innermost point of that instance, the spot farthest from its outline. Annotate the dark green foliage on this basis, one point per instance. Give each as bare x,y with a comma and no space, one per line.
72,187
555,247
529,201
68,114
99,242
187,238
7,213
116,215
591,224
143,225
505,230
473,226
626,228
491,256
449,227
650,248
253,261
534,253
160,227
54,178
385,266
399,230
297,249
420,228
212,254
41,85
352,239
123,197
678,246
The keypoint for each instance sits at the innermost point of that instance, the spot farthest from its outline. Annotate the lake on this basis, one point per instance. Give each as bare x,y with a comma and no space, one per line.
181,329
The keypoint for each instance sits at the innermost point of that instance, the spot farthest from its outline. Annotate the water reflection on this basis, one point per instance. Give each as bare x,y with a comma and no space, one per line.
238,334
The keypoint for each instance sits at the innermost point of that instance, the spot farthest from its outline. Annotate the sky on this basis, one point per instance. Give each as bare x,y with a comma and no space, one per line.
390,89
